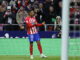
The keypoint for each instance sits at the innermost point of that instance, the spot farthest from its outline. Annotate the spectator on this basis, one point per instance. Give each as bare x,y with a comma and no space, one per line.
40,16
24,2
1,27
72,3
71,22
36,3
3,6
76,21
12,2
31,1
19,3
14,11
21,14
57,26
51,18
57,7
2,10
72,12
46,6
28,8
1,15
60,9
77,12
52,15
9,19
78,3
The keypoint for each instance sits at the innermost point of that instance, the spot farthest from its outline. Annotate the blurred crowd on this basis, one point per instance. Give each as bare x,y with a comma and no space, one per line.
75,14
15,11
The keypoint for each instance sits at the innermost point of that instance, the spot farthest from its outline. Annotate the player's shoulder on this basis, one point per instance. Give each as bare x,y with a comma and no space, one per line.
27,18
34,17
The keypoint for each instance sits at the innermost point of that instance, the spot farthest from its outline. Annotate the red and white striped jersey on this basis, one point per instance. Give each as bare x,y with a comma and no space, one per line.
31,28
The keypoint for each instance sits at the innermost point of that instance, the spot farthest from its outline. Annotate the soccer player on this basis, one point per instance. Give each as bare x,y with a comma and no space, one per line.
33,33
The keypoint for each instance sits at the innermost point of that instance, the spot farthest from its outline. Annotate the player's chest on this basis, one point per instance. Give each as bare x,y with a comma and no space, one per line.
31,20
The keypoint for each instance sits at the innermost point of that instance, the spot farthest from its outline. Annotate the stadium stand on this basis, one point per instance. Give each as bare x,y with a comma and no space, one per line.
45,10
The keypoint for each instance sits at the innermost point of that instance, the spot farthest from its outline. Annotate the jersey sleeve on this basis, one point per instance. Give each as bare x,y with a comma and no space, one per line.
38,25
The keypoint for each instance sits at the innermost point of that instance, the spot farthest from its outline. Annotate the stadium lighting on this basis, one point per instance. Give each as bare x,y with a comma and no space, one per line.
65,29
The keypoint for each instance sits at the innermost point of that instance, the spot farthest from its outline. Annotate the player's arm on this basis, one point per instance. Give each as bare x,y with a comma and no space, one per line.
38,25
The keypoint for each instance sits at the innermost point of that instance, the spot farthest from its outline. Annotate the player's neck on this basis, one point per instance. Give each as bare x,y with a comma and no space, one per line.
31,16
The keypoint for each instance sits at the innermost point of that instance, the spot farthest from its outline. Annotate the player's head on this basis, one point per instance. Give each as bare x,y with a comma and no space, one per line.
31,13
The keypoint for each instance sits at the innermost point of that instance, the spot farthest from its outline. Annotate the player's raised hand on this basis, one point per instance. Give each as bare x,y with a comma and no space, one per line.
43,23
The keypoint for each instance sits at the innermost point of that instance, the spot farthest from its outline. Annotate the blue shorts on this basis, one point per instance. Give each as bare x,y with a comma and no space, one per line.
34,37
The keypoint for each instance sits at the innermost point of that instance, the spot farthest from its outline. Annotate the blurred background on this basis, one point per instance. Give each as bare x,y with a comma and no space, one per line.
13,13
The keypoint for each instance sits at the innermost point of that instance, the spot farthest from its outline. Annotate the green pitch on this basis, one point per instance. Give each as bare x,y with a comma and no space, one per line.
18,49
27,58
51,47
35,58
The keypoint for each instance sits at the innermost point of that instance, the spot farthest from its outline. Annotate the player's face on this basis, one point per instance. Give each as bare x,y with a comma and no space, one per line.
32,13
